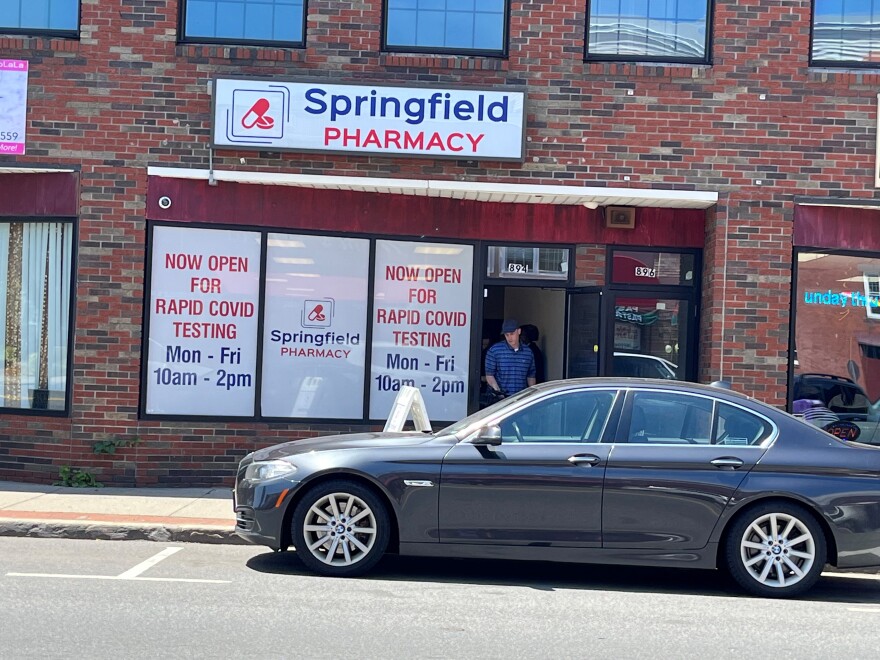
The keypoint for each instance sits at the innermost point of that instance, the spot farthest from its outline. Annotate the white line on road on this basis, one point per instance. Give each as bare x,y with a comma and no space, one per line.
152,561
854,576
874,610
131,574
114,577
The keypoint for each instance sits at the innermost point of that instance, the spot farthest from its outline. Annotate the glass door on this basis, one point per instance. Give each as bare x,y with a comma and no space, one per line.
650,336
582,334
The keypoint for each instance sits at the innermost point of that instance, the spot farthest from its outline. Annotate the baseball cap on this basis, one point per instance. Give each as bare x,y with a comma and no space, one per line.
509,325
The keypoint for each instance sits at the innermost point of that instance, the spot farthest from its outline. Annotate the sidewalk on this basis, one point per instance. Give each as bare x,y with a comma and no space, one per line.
195,515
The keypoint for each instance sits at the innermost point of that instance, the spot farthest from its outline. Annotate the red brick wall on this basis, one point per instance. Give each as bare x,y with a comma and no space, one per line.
126,96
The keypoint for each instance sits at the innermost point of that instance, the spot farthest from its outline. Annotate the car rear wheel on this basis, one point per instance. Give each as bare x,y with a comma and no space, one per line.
340,528
776,549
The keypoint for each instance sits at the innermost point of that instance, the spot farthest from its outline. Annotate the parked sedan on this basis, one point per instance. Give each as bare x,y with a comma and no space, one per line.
616,471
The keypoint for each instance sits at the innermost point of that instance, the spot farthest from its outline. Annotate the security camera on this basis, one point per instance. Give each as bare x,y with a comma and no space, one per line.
164,202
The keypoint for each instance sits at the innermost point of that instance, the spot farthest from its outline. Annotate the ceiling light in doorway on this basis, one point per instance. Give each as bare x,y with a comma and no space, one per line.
433,249
591,205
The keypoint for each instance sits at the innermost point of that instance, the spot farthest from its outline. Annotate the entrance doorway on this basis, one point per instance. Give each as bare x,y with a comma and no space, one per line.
541,307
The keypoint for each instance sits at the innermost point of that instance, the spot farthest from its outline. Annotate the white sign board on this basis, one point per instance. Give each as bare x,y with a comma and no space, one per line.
314,336
422,326
466,124
13,105
204,309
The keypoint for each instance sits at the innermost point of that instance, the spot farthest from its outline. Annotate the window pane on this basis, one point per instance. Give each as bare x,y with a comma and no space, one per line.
670,419
647,268
454,24
35,272
527,262
735,426
674,29
39,14
837,341
570,417
846,31
245,20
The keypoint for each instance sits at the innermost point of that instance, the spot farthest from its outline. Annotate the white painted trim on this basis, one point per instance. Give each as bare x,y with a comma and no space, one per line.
479,191
35,170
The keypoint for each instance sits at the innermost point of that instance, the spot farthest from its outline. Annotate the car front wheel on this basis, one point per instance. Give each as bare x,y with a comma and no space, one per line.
340,528
776,550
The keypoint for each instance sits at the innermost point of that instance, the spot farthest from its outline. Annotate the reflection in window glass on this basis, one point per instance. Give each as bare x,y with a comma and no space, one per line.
837,337
570,417
245,20
669,418
528,262
630,29
463,25
846,31
35,272
652,268
51,15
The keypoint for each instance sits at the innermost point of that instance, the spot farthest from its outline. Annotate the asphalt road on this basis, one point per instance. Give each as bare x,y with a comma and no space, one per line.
138,599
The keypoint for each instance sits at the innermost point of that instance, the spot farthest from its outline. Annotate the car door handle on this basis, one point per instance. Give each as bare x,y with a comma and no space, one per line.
727,462
584,459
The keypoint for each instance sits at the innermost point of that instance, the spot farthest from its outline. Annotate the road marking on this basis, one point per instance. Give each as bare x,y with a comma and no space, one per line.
132,574
853,576
152,561
874,610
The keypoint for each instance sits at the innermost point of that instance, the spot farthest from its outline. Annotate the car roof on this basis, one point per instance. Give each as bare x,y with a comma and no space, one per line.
658,383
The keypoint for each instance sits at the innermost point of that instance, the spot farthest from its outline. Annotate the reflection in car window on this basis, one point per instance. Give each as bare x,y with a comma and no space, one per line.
577,416
485,413
735,426
670,418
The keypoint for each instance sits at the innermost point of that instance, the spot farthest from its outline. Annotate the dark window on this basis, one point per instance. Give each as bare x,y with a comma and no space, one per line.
735,426
669,418
53,16
846,32
465,26
245,21
668,30
570,417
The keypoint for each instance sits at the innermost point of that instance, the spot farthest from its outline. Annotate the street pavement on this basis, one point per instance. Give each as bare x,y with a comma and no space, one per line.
200,515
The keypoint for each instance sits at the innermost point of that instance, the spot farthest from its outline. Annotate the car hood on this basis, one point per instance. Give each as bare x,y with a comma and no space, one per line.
347,441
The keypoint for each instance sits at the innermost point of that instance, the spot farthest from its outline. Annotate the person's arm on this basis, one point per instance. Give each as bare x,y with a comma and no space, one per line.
490,371
531,380
530,375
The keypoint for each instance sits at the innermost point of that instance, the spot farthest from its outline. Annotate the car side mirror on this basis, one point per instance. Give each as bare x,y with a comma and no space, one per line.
488,436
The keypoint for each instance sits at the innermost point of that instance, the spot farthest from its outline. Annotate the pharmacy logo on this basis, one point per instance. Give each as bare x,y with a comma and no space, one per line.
318,313
258,116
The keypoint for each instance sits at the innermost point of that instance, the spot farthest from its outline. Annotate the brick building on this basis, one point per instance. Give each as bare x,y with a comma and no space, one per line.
228,224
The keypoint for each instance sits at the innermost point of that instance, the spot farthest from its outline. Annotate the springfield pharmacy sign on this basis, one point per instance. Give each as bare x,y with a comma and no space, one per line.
316,117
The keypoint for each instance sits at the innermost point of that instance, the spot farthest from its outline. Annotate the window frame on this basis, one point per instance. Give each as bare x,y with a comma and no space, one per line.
71,317
443,50
48,32
706,59
182,37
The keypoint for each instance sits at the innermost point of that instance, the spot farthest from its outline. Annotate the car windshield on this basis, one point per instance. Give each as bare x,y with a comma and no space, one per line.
486,412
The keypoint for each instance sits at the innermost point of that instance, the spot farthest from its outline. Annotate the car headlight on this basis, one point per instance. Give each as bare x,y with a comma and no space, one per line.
263,470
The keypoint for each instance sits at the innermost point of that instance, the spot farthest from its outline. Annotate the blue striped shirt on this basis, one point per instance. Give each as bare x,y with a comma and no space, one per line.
510,367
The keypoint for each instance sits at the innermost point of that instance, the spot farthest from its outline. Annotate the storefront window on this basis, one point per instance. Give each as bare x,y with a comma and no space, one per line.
422,326
517,262
314,335
204,311
837,340
35,272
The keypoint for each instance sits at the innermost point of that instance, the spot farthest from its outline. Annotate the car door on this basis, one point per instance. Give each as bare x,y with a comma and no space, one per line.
677,460
542,485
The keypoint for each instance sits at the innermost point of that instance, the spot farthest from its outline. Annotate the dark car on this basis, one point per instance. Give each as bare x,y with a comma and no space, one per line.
840,395
616,471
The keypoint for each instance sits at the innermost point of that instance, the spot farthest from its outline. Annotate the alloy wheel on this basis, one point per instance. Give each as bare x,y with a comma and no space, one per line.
778,550
339,529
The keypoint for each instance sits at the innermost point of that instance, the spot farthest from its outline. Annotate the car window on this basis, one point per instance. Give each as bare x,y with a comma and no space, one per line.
736,426
578,416
670,418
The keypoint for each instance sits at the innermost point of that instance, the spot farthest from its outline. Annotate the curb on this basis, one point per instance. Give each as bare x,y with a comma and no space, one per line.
120,532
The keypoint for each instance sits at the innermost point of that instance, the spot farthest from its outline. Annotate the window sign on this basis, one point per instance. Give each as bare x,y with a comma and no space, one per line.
13,105
421,326
204,307
314,337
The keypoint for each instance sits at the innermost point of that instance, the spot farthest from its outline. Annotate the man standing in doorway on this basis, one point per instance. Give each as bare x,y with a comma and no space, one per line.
510,366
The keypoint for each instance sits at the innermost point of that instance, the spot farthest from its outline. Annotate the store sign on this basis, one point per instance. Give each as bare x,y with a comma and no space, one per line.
13,105
421,326
204,308
314,336
271,115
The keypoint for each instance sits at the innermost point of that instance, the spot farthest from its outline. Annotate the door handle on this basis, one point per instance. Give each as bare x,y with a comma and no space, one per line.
727,462
584,459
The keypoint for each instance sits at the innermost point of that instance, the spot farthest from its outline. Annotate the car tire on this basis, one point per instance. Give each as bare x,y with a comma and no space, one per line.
776,550
340,528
